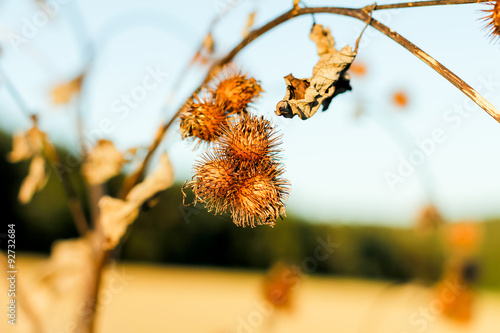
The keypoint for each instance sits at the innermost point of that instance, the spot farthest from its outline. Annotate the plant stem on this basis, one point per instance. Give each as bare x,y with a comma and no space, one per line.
428,3
15,94
438,67
134,178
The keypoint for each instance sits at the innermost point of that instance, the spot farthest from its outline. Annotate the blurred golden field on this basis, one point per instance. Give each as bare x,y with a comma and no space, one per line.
147,298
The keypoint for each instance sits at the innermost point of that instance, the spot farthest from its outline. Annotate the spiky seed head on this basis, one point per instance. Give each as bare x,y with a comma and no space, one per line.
203,117
248,186
235,88
492,20
259,199
214,182
251,139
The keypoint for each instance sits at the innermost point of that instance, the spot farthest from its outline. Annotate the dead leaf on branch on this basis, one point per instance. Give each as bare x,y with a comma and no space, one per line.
103,162
117,214
161,179
61,94
330,78
34,181
26,145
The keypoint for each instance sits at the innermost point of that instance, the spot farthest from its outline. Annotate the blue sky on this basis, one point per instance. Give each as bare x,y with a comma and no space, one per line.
338,165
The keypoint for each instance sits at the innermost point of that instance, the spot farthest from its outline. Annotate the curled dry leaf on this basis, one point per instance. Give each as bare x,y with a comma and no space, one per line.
34,181
62,93
117,215
330,78
103,162
26,145
21,149
161,179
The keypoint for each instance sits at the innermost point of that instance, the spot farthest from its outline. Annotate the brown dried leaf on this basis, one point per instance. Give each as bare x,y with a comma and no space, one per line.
26,145
117,214
250,22
103,162
62,93
21,149
34,181
161,179
330,78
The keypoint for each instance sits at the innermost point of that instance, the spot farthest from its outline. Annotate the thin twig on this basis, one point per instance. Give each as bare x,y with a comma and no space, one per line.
428,3
360,14
15,94
182,74
438,67
134,178
88,316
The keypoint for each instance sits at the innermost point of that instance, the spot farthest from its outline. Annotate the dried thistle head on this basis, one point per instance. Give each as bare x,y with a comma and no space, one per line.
260,194
464,237
235,88
251,139
203,117
250,188
280,284
214,182
461,308
492,19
